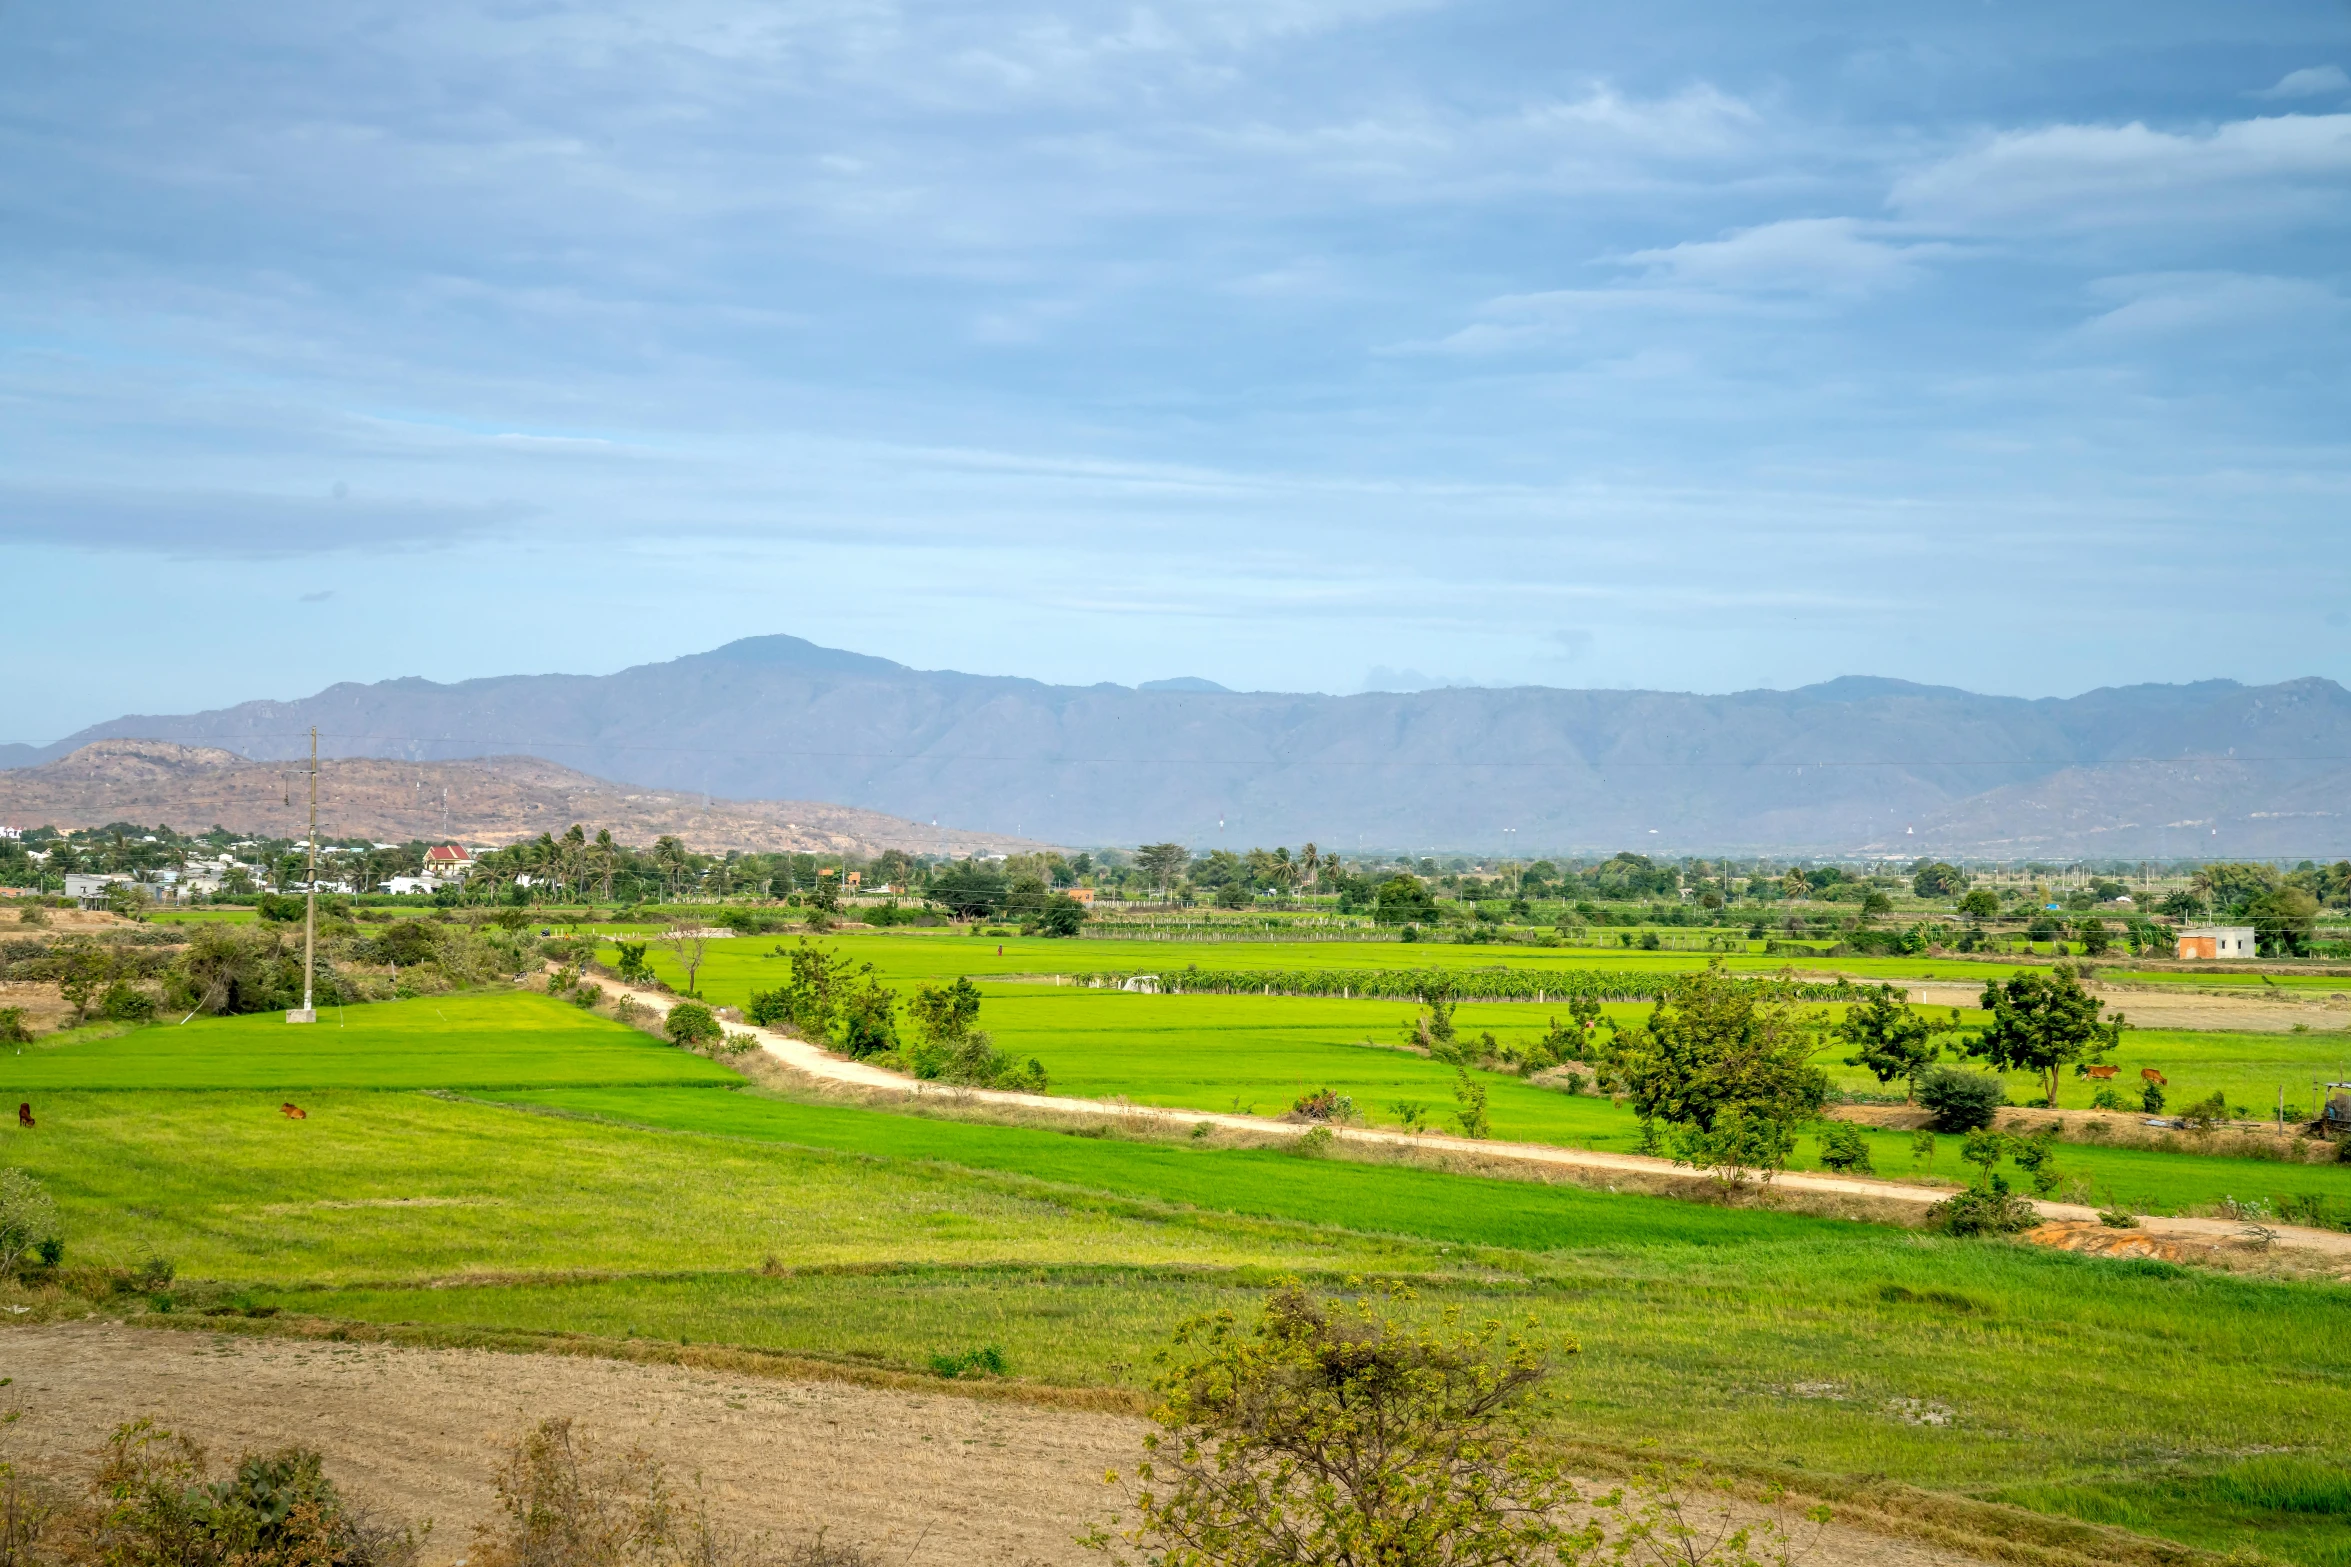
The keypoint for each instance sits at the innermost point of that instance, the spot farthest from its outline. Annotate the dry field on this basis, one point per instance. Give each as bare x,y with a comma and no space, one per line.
922,1479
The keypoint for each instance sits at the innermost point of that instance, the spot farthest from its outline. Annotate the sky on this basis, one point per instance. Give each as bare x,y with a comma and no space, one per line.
1294,344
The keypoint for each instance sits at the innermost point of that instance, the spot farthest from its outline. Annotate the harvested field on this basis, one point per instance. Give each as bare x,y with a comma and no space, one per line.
923,1478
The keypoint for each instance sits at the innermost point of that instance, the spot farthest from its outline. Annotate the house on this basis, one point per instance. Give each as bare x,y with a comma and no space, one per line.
2219,941
447,861
403,885
90,889
1083,895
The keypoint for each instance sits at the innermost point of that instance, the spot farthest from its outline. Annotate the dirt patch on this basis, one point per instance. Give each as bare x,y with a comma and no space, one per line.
927,1479
2151,1007
45,1011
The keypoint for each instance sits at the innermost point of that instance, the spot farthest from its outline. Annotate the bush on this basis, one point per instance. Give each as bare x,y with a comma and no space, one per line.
565,1503
691,1026
1992,1210
276,1510
1844,1149
1334,1431
281,908
28,1217
1962,1101
14,1030
2205,1114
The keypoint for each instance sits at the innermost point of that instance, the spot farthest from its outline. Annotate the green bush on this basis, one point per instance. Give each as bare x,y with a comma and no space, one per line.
28,1218
14,1030
691,1025
1844,1149
1962,1101
1992,1210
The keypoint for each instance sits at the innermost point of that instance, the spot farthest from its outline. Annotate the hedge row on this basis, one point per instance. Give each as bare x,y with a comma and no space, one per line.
1465,984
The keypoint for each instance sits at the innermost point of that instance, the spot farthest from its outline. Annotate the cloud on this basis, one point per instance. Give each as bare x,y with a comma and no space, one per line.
1795,255
2241,308
2309,82
190,524
2076,177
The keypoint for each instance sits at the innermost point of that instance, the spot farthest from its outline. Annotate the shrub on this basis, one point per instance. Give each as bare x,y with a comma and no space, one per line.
1962,1101
28,1217
1992,1210
280,908
691,1025
1334,1431
14,1030
2206,1113
1314,1143
2110,1099
155,1507
1324,1105
566,1503
986,1361
1843,1148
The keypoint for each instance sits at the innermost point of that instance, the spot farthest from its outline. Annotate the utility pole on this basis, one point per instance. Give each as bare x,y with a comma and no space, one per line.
308,1013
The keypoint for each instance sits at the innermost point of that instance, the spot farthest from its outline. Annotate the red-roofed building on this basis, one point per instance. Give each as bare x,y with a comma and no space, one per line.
447,861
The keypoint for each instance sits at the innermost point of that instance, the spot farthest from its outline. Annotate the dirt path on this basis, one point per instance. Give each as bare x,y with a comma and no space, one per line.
806,1058
2161,1007
925,1480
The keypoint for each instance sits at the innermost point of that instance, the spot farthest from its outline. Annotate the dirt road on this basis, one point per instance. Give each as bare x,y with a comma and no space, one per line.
805,1058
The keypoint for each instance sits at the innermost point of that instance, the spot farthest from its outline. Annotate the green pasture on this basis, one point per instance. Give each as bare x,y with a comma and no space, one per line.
737,965
614,1206
510,1039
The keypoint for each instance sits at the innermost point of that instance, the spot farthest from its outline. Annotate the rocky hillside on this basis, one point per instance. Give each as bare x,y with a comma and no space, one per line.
492,800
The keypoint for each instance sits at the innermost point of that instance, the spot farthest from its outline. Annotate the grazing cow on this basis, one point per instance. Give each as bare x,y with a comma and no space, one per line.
2155,1077
2102,1073
293,1112
24,1116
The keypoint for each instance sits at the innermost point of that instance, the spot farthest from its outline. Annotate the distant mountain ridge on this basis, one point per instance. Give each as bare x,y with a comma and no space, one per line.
1854,765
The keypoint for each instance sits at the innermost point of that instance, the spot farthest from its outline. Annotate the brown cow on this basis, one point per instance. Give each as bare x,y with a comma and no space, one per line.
294,1112
2102,1073
2155,1077
24,1115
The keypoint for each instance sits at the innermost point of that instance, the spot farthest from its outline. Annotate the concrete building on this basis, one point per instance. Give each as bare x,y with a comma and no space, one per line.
2219,941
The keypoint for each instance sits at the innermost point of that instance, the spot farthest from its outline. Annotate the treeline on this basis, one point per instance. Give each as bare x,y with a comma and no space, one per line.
1459,984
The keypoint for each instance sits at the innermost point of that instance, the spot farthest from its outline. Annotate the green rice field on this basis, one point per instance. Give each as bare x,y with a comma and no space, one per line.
586,1179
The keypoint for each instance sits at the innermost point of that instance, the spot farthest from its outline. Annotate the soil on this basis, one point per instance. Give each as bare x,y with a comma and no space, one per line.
923,1480
2150,1007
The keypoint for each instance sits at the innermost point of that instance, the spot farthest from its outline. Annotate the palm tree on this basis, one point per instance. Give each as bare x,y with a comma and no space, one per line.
1310,865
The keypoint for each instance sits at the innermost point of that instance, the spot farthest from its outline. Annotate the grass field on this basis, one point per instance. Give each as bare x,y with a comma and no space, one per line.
461,1041
620,1206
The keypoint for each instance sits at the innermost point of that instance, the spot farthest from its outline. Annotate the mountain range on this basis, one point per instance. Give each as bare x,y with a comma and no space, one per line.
1852,766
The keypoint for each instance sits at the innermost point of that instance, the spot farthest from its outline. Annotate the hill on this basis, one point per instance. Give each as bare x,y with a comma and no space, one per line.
492,800
1849,766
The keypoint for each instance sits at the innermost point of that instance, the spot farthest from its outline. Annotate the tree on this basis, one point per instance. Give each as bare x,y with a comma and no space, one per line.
1938,880
84,969
945,1014
968,890
1403,900
1874,903
690,947
2283,919
1339,1433
867,1028
1062,915
1888,1039
1981,903
812,998
1163,863
2044,1022
690,1024
1728,1067
1962,1101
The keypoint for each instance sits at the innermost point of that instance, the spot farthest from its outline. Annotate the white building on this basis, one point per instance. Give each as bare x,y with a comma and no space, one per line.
2219,941
90,889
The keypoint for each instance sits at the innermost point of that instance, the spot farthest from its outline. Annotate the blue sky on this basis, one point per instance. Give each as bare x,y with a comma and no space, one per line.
1699,346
